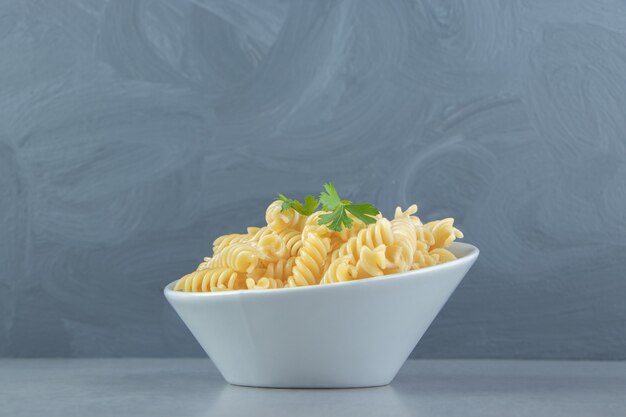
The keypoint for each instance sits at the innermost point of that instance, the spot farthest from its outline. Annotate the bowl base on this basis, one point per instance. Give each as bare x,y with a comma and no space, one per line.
315,386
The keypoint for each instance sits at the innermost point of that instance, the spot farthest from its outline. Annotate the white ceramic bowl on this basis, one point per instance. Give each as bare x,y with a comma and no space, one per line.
350,334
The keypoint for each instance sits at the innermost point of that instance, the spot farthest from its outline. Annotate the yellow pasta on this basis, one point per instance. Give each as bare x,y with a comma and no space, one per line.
293,241
278,220
264,283
281,269
218,279
271,247
240,257
311,224
425,235
340,270
257,273
402,250
423,259
309,265
294,250
257,233
206,263
373,235
444,232
227,240
371,262
408,214
443,255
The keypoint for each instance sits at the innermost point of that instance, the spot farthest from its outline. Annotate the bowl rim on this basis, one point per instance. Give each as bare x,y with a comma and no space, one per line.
423,273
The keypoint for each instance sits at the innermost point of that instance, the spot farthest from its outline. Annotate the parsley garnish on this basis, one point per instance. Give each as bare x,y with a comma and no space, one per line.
338,217
339,209
310,204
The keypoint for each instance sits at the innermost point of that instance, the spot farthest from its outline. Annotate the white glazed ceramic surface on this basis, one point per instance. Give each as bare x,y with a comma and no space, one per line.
350,334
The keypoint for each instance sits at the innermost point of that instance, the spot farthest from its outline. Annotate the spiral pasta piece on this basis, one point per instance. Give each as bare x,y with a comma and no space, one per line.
227,240
206,263
257,273
271,247
423,259
240,257
313,219
443,255
264,283
311,225
293,241
372,262
339,238
425,235
205,280
278,220
408,214
444,232
372,236
402,250
280,269
309,265
339,270
255,234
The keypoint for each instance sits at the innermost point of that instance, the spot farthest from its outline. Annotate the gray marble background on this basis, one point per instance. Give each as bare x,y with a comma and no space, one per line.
132,133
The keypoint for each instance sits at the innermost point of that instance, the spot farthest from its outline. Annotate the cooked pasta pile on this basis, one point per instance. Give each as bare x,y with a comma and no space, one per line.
293,250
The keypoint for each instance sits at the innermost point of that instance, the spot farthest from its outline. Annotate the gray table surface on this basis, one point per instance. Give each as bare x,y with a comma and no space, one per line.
193,387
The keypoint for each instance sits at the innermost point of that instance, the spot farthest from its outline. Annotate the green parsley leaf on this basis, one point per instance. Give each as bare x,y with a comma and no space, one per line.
310,204
330,199
339,210
363,212
297,206
336,219
287,202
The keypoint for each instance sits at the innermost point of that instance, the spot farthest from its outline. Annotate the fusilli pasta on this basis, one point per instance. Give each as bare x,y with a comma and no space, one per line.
294,250
371,262
372,236
264,283
293,241
309,265
280,269
278,220
444,232
271,247
340,270
227,240
240,257
218,279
